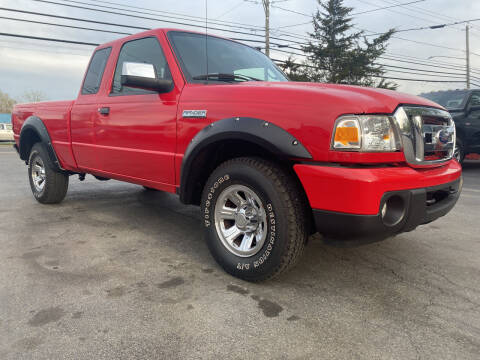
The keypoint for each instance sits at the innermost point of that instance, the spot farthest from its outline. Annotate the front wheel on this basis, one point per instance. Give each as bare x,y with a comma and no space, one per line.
255,218
48,185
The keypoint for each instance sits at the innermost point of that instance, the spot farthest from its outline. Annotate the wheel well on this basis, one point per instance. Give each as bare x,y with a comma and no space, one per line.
214,154
29,138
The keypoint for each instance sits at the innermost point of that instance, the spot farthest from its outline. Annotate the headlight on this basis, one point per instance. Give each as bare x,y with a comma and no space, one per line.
373,133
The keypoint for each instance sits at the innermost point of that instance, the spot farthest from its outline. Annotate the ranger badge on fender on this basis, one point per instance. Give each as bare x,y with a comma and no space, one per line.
194,113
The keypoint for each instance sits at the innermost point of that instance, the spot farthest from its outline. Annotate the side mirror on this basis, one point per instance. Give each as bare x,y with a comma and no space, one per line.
142,76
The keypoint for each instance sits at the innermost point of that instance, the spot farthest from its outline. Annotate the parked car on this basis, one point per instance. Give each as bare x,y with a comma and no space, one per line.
6,132
464,106
269,161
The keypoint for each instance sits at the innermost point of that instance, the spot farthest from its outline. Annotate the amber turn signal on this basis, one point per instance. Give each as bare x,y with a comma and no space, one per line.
347,134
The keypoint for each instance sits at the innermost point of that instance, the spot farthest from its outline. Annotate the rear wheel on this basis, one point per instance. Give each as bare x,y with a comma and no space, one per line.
48,185
255,217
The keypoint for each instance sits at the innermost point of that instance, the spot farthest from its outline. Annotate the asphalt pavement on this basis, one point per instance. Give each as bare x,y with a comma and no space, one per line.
117,272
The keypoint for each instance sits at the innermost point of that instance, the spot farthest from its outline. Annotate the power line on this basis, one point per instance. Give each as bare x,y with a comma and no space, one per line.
75,19
428,12
65,26
50,51
416,73
386,7
393,37
231,24
49,39
226,30
386,57
260,41
428,20
422,70
94,44
155,19
293,25
107,31
143,28
292,11
170,14
231,9
36,45
239,39
393,66
431,27
387,77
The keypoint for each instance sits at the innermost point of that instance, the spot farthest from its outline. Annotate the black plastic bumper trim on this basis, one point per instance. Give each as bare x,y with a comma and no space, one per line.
343,229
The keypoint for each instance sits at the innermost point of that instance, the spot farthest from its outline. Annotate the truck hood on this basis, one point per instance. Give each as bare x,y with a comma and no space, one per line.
354,99
303,96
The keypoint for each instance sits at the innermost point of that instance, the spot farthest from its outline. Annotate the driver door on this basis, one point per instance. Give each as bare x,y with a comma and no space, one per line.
135,128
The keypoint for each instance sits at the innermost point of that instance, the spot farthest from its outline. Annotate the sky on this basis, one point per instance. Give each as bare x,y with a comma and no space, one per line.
57,69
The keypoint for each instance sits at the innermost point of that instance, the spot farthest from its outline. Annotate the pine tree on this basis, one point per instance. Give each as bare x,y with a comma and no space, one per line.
293,70
338,55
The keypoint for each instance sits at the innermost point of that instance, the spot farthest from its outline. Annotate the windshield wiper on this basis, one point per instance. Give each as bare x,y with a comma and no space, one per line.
225,77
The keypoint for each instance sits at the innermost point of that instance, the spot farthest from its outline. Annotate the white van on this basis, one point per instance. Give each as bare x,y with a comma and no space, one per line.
6,132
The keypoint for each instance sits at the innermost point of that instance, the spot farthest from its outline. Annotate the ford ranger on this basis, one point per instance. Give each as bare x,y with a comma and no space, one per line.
269,161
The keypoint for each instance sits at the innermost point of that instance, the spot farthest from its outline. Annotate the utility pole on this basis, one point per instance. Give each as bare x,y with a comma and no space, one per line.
266,8
468,55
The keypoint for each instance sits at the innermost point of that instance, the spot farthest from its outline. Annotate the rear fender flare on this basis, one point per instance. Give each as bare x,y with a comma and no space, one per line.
34,125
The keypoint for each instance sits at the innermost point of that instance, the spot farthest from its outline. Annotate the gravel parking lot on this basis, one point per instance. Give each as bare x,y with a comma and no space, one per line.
117,272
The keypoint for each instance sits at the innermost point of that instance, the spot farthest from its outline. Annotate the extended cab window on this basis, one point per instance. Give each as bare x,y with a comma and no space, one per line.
93,79
232,60
148,51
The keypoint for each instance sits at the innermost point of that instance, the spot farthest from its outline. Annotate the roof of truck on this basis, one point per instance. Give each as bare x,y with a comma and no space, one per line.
155,32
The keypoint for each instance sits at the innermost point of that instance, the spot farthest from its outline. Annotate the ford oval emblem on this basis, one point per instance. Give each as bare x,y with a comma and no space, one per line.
444,136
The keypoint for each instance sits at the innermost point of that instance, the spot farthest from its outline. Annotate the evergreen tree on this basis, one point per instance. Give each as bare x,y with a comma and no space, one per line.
293,70
338,54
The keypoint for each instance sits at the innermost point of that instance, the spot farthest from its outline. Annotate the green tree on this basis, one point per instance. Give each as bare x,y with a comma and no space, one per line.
294,71
6,103
338,54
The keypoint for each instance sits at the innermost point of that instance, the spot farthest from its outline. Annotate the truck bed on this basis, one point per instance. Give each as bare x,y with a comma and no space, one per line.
55,116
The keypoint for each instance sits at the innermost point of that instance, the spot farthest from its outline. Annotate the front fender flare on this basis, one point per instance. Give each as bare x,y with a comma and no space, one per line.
264,134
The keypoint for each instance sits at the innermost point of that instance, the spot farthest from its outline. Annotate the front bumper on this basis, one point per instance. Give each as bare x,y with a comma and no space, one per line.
364,205
416,210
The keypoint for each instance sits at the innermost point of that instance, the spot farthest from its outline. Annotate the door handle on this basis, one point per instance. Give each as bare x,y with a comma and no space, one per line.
104,110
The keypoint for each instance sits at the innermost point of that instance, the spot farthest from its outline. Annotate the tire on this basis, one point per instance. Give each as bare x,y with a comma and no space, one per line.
48,185
459,152
281,231
149,189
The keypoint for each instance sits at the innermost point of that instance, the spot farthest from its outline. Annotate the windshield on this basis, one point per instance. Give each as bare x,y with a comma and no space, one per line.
452,99
228,61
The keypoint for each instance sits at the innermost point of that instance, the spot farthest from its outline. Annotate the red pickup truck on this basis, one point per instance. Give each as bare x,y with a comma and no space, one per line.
269,161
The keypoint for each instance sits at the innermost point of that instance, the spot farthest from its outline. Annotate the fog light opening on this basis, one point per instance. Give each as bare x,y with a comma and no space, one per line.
393,210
